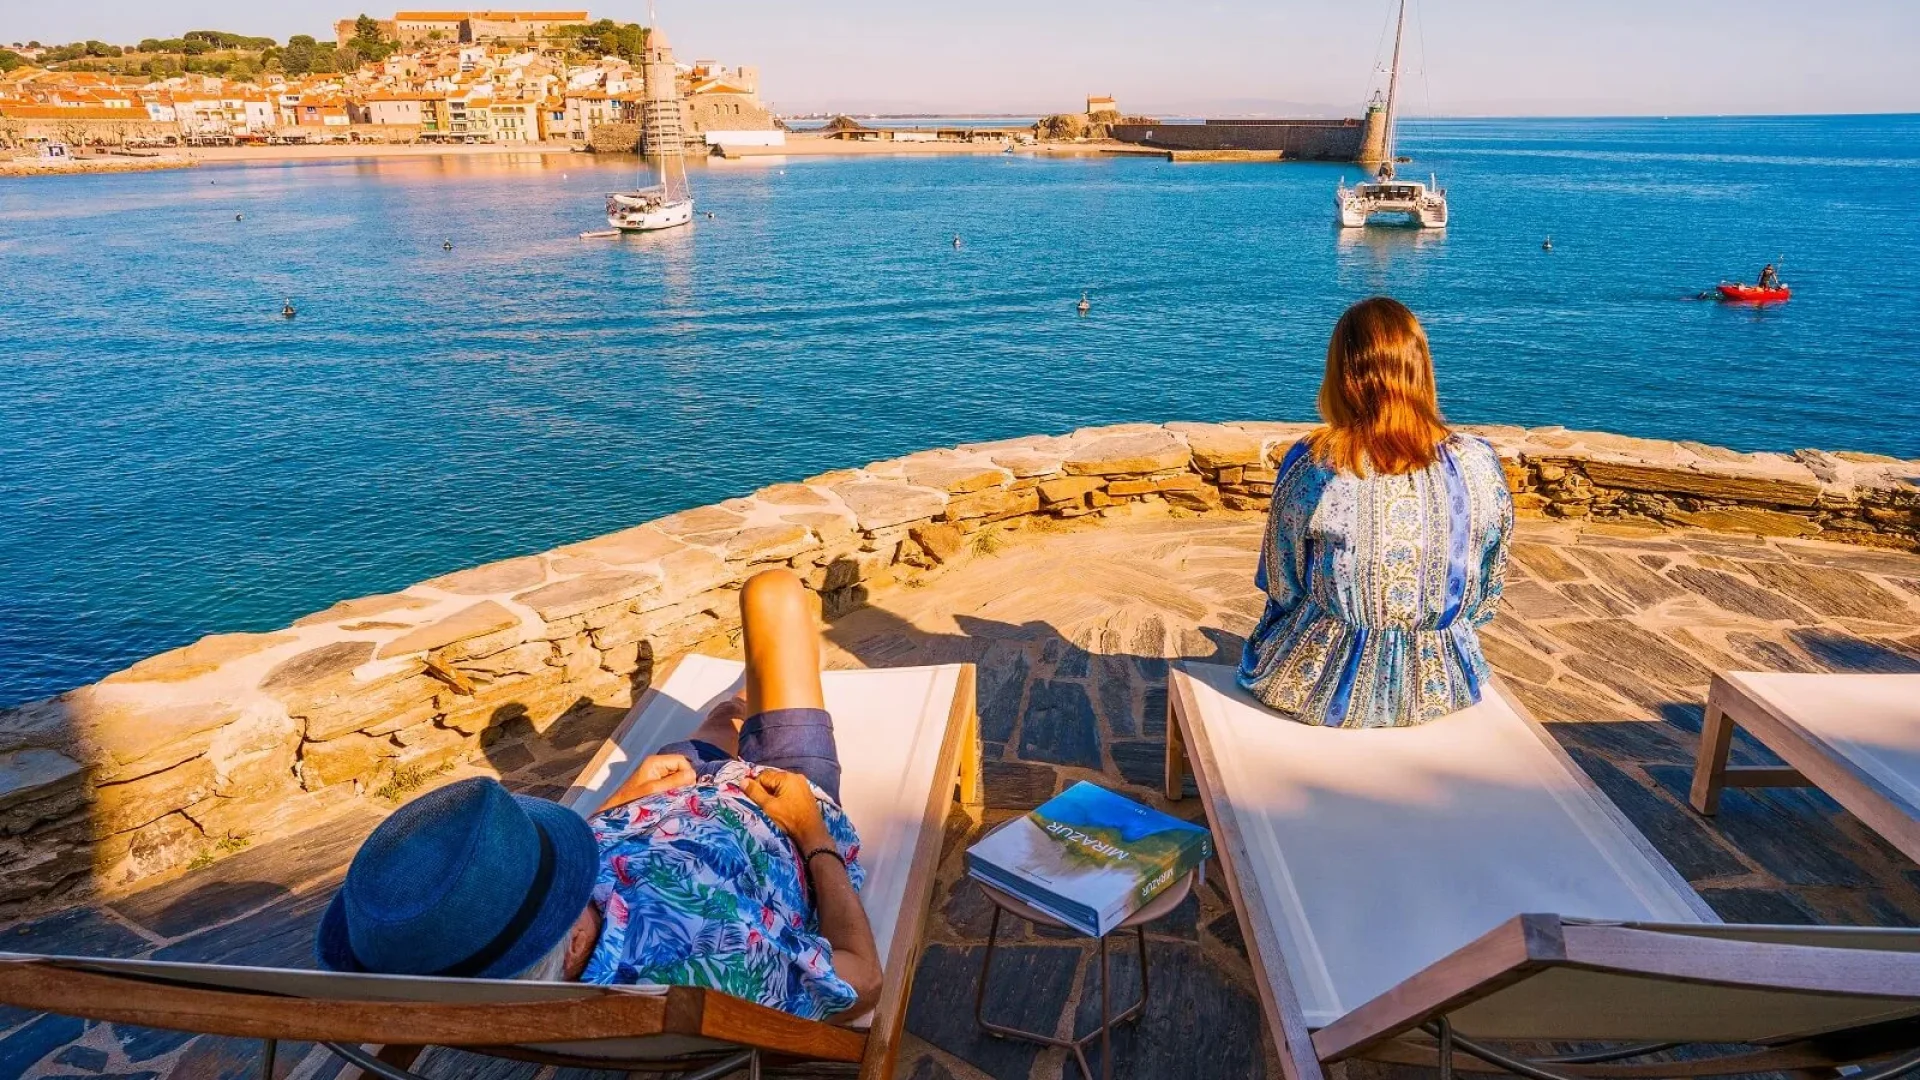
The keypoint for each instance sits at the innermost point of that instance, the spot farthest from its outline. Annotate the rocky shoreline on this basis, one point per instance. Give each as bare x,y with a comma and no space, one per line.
239,737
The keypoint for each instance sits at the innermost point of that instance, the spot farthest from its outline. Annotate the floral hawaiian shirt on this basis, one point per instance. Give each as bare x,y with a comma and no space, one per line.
698,888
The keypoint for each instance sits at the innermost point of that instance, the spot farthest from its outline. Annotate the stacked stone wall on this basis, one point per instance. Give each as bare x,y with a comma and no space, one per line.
614,139
241,736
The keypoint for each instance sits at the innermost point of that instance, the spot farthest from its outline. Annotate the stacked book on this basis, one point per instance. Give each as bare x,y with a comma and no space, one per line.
1089,857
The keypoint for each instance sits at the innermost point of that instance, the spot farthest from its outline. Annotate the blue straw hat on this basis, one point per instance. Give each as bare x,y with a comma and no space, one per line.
469,881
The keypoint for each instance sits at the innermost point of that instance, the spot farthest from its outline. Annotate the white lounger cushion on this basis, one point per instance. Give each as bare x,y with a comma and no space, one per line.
1382,851
889,725
1870,721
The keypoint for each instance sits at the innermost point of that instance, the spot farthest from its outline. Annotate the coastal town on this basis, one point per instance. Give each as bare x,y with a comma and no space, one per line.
535,552
445,78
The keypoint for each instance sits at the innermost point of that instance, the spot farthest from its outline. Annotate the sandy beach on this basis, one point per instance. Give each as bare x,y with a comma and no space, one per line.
190,157
327,151
799,144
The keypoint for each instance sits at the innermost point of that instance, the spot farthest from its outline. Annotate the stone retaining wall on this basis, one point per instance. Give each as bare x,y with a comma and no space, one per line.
253,735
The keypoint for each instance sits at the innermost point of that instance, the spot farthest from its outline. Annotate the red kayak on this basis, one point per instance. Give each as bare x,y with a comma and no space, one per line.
1753,294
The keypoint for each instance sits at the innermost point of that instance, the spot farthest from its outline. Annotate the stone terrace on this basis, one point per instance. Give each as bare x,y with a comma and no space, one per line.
1609,635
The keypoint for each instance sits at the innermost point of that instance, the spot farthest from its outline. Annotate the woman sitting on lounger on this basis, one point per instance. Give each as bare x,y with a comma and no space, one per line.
723,861
1386,546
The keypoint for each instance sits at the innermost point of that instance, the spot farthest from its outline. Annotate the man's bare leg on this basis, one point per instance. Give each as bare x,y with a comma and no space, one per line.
782,642
783,658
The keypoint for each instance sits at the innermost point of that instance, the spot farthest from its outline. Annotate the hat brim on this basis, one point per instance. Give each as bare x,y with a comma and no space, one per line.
576,863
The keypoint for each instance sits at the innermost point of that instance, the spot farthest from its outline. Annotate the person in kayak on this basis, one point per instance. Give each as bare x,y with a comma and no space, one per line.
1769,277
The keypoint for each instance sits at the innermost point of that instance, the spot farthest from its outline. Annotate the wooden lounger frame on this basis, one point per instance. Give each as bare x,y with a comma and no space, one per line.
397,1032
1397,1026
1810,763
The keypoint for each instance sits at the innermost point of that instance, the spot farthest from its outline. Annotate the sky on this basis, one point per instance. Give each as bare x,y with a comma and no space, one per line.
1209,57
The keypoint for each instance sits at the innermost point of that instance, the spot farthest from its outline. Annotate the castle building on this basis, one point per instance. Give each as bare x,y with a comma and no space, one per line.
466,27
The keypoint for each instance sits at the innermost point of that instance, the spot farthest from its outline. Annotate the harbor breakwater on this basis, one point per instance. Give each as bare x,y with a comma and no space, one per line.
239,737
1299,140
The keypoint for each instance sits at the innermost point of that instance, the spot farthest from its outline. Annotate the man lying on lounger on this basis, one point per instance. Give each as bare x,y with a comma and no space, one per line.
723,861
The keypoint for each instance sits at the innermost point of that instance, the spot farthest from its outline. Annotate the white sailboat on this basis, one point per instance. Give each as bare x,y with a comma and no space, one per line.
1424,204
669,203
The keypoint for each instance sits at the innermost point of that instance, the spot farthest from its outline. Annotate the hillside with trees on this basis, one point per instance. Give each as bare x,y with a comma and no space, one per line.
628,41
240,57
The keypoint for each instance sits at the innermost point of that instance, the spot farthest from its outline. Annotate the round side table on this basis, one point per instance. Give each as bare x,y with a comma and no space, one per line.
1137,922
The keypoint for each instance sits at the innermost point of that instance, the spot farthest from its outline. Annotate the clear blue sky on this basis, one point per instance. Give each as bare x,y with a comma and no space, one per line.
1481,56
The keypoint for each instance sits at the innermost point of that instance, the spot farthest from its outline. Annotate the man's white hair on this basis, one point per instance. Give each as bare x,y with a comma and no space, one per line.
551,967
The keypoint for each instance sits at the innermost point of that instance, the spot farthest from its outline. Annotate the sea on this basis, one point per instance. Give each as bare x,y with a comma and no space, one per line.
177,459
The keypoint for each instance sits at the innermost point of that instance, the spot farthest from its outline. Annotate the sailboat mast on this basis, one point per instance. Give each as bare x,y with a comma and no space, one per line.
1393,81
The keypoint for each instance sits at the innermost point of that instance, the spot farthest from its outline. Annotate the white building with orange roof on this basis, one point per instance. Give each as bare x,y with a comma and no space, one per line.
159,106
515,120
390,108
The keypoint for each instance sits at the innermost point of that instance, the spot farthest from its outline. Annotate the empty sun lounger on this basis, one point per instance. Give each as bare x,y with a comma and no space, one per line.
1855,737
909,742
1388,884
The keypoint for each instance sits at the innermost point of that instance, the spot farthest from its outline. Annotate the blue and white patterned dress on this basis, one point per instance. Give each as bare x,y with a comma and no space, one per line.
698,888
1375,586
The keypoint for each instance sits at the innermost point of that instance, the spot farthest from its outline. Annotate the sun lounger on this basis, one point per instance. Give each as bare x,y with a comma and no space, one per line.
907,737
1387,883
1855,737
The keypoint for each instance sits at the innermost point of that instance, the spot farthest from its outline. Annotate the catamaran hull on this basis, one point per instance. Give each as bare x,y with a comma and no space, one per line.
1358,214
670,216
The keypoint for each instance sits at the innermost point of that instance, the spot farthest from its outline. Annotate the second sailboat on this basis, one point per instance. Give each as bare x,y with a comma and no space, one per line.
669,203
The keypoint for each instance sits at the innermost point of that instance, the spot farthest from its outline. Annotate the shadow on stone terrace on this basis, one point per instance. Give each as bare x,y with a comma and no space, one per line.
1609,636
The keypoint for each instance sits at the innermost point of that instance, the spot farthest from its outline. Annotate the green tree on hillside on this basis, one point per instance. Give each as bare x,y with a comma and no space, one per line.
223,40
299,55
10,60
368,43
606,38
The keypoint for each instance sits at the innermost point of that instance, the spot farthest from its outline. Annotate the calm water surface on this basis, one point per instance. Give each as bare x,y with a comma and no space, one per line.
176,459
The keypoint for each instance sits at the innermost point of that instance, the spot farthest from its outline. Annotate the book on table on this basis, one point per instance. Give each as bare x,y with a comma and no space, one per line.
1089,857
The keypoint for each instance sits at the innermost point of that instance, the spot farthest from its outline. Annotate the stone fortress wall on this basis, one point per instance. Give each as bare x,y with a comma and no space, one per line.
1300,140
242,736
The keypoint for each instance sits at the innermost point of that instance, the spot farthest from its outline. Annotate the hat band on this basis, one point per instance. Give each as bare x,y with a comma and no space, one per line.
516,927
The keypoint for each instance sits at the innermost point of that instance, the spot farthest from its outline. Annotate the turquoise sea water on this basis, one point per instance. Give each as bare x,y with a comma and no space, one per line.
176,459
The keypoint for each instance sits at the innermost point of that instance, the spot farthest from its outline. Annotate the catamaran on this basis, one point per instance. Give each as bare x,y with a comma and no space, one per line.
1424,204
669,203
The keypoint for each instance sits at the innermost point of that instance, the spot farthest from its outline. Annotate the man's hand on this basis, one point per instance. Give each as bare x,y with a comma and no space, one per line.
661,772
786,798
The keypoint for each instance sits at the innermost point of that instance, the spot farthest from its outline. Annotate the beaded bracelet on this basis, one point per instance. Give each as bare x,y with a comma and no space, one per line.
829,853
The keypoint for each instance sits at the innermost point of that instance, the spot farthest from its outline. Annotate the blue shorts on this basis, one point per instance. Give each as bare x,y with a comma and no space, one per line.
792,740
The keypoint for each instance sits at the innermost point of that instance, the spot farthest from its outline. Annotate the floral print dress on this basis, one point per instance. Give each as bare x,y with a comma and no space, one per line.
698,888
1375,587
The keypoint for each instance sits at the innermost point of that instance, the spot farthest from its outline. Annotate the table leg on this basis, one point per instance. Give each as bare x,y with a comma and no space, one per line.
1716,743
1106,1015
1174,786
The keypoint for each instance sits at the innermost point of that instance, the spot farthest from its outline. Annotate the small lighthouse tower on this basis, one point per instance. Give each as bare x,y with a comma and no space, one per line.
1373,132
661,127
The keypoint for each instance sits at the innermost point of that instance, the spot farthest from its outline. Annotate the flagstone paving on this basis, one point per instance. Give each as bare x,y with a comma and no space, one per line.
1609,635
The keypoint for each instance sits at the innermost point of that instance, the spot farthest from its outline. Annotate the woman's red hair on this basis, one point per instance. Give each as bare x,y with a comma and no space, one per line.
1378,397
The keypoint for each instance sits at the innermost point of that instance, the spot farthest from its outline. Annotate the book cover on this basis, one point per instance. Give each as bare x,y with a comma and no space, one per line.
1089,857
